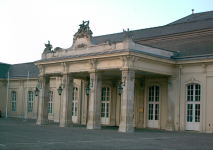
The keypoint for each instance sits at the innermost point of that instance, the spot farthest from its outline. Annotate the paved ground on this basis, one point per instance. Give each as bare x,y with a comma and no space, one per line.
18,134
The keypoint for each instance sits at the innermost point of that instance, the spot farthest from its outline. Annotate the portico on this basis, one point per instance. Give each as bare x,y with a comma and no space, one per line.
107,64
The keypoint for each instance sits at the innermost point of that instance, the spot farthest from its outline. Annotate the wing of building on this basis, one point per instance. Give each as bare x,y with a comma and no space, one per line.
159,77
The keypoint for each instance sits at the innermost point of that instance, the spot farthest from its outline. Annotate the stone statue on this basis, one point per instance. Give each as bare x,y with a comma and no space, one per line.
84,27
128,34
48,47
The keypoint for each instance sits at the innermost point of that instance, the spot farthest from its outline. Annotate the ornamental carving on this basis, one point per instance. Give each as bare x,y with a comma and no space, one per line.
81,45
41,82
41,69
129,75
64,66
128,61
92,63
64,81
83,32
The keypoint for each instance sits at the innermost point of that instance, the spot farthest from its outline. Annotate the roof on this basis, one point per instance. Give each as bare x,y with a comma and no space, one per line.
187,46
193,46
21,70
194,17
158,31
4,70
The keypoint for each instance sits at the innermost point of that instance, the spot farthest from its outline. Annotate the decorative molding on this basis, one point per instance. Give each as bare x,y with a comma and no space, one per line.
132,76
64,81
128,61
92,63
64,67
192,80
41,69
41,82
92,78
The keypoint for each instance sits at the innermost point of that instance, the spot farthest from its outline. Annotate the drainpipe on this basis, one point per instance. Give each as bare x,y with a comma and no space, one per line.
8,74
179,96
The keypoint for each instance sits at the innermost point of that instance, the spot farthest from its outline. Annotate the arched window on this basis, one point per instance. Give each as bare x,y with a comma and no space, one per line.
13,101
193,107
30,101
50,105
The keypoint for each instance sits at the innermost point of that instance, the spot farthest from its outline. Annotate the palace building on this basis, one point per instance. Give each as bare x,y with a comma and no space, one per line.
159,77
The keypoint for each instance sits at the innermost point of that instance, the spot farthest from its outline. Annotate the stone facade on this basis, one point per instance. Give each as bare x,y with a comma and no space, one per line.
156,88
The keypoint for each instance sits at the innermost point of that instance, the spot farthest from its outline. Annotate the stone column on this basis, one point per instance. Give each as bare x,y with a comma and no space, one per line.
94,119
170,104
127,101
66,101
43,100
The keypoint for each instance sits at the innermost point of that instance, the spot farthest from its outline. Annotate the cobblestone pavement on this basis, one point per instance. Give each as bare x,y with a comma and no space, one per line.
18,134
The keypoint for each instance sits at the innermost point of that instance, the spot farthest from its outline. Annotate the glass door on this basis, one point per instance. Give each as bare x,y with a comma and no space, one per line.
193,107
75,104
105,106
153,107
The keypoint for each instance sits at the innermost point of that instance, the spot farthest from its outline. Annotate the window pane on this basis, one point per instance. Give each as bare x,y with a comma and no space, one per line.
189,112
150,111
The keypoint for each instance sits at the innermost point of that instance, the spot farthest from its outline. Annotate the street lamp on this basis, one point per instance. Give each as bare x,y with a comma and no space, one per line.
87,89
36,91
120,89
59,90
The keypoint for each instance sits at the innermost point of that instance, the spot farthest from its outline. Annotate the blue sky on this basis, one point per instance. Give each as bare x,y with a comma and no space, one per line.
27,24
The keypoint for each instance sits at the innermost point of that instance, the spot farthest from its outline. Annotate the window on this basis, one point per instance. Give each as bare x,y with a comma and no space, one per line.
13,101
30,101
75,102
50,105
193,103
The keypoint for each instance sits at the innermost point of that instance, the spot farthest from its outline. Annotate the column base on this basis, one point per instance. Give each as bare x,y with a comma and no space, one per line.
42,122
170,127
126,128
93,127
65,124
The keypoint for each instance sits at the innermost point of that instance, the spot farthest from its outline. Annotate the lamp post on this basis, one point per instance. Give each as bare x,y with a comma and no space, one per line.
87,89
59,93
37,94
59,90
120,91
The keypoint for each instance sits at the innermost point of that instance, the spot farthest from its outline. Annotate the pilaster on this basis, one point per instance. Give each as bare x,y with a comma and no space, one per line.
43,100
94,119
66,101
127,101
170,104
